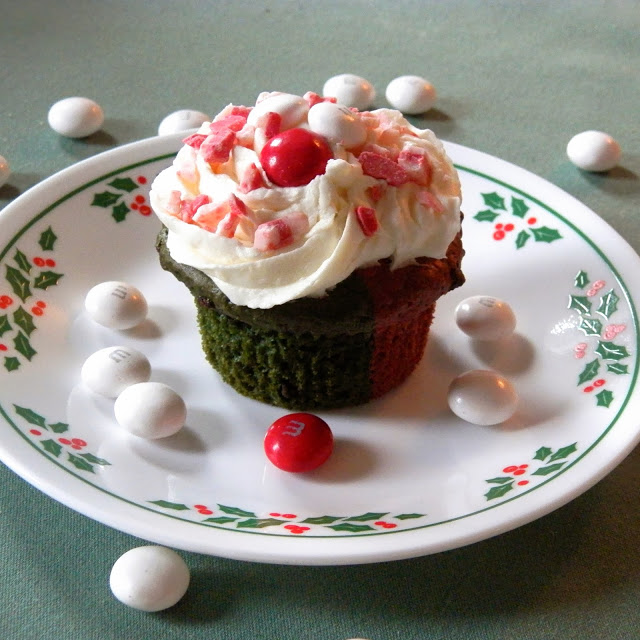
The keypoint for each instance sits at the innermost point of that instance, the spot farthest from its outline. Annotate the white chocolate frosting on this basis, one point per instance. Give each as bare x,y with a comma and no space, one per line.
327,240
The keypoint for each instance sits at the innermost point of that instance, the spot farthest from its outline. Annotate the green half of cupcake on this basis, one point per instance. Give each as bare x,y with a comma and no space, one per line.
356,343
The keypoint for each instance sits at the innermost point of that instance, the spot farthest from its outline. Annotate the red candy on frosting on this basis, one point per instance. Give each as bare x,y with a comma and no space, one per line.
367,220
379,166
217,147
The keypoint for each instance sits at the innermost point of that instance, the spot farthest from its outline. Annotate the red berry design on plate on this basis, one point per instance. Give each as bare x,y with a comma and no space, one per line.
141,180
5,301
294,528
39,262
532,220
298,442
295,157
499,235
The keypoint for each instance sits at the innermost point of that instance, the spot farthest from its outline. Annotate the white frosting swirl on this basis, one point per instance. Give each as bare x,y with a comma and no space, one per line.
410,225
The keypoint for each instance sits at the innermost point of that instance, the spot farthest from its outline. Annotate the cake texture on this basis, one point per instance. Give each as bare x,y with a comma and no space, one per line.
315,240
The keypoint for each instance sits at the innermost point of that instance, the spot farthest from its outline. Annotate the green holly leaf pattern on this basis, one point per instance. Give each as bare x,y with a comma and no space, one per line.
119,212
18,282
105,199
24,320
11,363
582,280
80,463
521,239
564,452
545,471
59,427
519,207
233,511
176,506
611,351
581,304
500,480
604,398
259,523
545,234
486,216
46,279
22,261
124,184
366,517
494,201
89,457
350,527
23,346
589,372
499,491
47,239
608,304
617,368
31,416
5,325
220,520
52,447
591,326
542,453
322,520
410,516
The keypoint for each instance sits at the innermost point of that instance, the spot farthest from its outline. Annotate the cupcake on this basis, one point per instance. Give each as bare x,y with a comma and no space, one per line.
315,240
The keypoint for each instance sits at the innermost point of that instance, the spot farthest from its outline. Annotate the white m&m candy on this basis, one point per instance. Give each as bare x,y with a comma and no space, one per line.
116,305
76,117
485,318
350,90
149,578
150,410
337,123
593,151
5,170
110,371
182,120
411,94
482,397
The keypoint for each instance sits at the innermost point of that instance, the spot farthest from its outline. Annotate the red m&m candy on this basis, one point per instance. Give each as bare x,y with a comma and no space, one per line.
298,442
295,157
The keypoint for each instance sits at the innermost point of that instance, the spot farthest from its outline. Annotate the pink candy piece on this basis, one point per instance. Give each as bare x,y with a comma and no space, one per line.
186,169
314,99
188,208
272,124
195,140
217,147
428,200
376,192
208,216
416,163
251,179
378,166
239,110
367,220
281,232
235,123
173,203
237,206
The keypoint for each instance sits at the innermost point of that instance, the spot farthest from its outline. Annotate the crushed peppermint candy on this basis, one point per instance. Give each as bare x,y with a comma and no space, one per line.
367,220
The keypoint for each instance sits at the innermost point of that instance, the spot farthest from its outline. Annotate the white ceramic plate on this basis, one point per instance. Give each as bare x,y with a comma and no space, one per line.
407,477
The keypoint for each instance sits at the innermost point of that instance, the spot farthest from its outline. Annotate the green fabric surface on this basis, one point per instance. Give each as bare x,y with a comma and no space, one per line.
516,80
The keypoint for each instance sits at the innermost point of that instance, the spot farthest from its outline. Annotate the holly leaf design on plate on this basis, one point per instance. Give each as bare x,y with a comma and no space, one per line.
589,372
124,184
582,280
46,279
259,523
233,511
5,325
105,199
617,368
519,207
52,447
410,516
604,398
542,453
59,427
545,471
31,416
545,234
22,261
18,282
611,351
23,346
165,504
499,491
486,216
322,520
591,326
366,517
47,239
119,212
500,480
80,463
608,304
564,452
89,457
11,363
494,201
521,239
350,527
220,520
24,320
581,304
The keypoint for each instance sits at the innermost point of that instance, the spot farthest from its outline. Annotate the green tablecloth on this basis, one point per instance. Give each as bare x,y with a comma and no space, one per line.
516,80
